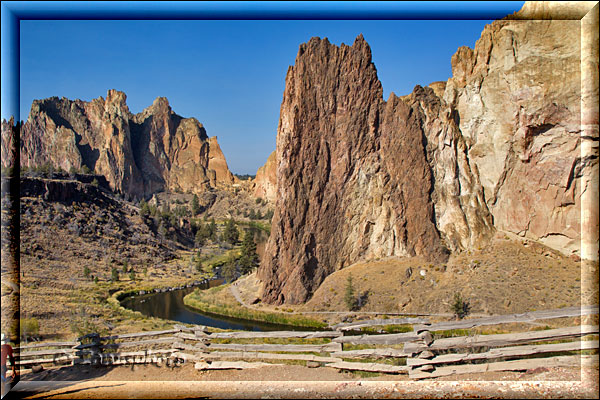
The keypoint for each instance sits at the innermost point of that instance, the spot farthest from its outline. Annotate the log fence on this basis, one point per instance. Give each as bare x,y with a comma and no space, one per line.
422,353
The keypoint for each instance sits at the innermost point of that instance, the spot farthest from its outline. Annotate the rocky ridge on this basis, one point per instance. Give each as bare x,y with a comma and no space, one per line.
139,154
498,147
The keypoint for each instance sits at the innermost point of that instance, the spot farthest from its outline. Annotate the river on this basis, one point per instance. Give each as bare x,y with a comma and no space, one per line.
169,305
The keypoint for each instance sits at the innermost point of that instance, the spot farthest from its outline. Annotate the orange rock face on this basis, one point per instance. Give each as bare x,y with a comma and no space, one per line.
218,164
519,98
265,183
138,154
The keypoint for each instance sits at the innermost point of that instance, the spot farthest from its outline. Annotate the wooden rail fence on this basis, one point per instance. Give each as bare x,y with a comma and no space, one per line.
422,353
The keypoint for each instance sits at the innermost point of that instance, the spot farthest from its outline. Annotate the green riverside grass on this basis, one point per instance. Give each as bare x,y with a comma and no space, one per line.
193,301
315,341
387,329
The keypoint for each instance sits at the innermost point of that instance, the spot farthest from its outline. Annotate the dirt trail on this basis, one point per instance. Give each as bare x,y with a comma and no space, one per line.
295,381
234,291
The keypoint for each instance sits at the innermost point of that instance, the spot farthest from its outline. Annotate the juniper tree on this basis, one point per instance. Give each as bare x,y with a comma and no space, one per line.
144,209
460,307
349,295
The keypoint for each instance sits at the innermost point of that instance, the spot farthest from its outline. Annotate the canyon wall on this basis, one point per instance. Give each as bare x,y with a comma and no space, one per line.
496,147
518,98
139,154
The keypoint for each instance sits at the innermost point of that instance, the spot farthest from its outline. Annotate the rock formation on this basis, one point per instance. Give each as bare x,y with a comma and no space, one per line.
518,97
496,147
461,214
138,154
353,180
265,182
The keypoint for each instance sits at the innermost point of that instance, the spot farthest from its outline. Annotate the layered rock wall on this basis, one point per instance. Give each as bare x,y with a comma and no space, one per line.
518,98
138,154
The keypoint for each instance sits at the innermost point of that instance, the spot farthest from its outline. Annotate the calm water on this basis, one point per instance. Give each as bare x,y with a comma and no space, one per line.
169,305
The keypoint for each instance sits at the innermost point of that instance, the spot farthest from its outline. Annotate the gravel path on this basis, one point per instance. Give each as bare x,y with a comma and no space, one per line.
294,381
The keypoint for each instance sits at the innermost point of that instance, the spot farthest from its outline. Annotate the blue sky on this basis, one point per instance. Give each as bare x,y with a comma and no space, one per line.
230,75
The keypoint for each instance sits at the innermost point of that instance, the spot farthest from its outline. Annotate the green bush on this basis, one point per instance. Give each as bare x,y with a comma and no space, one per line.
82,324
144,209
460,307
30,328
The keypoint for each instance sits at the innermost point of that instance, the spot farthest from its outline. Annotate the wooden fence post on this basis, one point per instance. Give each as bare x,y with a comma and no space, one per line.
93,348
425,339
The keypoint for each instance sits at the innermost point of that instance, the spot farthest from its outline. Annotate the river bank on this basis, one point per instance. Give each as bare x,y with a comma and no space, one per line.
219,301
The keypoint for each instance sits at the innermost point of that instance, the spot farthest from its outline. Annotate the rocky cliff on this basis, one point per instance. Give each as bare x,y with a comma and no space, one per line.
353,180
265,182
496,147
139,154
518,98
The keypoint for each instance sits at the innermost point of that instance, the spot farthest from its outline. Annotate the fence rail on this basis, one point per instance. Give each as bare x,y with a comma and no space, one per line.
421,354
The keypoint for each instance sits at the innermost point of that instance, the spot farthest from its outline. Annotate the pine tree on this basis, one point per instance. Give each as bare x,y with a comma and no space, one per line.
230,268
212,230
230,234
114,275
162,229
249,257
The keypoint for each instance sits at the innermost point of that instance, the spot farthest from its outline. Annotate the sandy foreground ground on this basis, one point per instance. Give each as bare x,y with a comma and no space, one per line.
295,381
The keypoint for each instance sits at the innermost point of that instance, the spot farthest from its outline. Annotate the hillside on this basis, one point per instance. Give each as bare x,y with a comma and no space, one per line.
503,277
